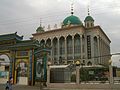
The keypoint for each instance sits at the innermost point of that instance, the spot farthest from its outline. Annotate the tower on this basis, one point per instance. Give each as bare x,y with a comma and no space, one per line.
89,21
40,29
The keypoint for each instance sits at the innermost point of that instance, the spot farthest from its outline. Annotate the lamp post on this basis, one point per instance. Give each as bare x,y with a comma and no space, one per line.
110,72
48,72
77,72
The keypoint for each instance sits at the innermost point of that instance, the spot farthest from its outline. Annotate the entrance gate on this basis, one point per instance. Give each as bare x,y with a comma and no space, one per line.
21,57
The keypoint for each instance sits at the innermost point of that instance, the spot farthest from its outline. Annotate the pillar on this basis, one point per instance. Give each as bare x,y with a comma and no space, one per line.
65,50
52,60
58,50
110,72
81,47
48,74
98,53
77,74
73,46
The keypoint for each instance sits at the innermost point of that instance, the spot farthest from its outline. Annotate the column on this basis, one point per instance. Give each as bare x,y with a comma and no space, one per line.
65,50
111,72
58,50
73,47
48,74
77,74
81,47
98,50
52,60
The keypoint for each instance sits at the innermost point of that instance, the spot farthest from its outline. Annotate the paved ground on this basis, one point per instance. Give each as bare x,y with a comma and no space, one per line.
22,87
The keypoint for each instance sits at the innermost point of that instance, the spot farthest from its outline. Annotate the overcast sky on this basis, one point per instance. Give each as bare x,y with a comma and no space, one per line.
24,16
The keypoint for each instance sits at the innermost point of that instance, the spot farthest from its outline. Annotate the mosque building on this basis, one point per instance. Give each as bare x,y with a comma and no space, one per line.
76,40
73,41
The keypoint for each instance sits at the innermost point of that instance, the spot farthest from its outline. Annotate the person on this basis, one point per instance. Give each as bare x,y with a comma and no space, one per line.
7,85
10,83
10,86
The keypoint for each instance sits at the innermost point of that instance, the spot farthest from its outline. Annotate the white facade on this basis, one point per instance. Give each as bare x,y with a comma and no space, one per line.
74,42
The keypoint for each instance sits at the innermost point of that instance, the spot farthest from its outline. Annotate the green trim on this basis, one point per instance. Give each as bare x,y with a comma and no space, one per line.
88,18
12,36
74,20
40,29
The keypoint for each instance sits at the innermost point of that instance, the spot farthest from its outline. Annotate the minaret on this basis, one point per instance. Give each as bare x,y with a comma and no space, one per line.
40,29
89,21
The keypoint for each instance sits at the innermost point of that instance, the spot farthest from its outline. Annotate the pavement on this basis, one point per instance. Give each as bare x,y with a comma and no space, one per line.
22,87
25,87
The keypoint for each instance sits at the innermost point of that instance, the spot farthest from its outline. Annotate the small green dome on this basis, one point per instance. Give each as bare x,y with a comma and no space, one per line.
88,18
72,20
40,29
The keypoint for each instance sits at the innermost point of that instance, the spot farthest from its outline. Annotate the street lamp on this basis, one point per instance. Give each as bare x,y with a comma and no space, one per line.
48,72
77,71
49,63
77,63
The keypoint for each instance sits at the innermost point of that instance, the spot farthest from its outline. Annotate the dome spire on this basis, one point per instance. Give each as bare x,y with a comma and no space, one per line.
40,22
88,10
72,9
40,29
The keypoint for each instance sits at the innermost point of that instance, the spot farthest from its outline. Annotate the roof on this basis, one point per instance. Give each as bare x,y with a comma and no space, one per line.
88,18
98,27
10,37
74,20
59,29
24,44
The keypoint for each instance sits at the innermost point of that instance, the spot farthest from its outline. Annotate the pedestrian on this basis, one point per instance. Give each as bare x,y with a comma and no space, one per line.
7,85
10,86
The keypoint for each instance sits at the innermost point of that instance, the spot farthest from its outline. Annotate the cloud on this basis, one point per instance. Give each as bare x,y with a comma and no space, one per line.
24,16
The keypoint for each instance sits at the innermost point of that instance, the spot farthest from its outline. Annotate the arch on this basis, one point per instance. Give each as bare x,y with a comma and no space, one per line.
48,42
55,46
42,42
89,63
62,45
5,65
77,46
5,57
69,47
7,54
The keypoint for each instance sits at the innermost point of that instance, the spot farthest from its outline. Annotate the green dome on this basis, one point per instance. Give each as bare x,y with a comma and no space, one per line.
88,18
40,29
72,20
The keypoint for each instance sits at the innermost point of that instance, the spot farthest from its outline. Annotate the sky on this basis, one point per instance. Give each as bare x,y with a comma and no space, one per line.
24,16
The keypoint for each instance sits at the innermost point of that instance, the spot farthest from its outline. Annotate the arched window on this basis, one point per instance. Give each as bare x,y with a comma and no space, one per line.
89,64
77,46
69,47
42,43
48,43
96,49
55,46
62,46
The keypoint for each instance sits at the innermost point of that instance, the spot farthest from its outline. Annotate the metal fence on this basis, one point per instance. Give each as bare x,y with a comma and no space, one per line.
87,75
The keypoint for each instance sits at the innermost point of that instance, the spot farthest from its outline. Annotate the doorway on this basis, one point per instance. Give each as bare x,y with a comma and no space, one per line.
4,68
22,73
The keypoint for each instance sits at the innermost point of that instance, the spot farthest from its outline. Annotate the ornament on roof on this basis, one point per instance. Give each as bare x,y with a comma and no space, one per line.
55,26
49,27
